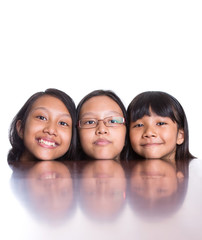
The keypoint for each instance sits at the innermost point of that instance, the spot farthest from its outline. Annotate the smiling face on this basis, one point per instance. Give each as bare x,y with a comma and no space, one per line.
48,130
102,142
155,137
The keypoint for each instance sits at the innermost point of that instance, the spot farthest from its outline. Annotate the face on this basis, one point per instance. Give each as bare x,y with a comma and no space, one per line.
154,179
103,187
102,142
155,137
48,130
50,188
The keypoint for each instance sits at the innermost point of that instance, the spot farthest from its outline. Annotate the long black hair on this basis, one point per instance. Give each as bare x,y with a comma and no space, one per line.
18,144
165,105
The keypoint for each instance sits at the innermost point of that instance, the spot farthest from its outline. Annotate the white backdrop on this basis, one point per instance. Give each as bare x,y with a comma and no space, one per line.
79,46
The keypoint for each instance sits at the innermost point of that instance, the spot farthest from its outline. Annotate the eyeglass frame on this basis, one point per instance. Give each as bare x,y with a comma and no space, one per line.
104,121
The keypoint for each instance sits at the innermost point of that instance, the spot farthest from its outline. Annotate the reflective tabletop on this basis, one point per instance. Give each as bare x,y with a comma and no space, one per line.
102,199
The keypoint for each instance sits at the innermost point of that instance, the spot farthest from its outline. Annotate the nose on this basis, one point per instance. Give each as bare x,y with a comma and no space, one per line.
149,132
101,128
50,129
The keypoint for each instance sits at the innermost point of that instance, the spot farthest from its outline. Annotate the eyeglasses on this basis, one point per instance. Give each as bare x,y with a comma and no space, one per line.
108,122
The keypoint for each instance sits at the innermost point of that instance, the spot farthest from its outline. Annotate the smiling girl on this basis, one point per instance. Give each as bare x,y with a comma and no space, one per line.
158,127
44,128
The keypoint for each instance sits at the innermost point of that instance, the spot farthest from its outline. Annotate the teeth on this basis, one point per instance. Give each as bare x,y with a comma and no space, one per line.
51,176
47,142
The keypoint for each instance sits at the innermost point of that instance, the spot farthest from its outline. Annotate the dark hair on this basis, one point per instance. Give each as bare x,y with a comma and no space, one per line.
18,144
165,105
114,97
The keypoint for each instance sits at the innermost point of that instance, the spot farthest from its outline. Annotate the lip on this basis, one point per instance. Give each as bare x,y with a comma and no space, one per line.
102,175
151,174
47,143
102,142
150,144
48,175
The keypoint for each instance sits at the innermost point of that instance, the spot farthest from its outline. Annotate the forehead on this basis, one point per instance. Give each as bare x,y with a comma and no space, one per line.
49,102
100,105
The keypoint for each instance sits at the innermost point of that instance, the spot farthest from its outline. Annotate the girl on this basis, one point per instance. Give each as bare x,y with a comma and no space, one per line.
44,129
158,127
102,123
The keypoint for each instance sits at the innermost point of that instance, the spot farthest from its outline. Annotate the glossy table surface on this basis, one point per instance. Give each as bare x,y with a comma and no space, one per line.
101,199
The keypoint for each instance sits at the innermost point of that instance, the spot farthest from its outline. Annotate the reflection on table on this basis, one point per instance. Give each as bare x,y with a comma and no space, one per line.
107,199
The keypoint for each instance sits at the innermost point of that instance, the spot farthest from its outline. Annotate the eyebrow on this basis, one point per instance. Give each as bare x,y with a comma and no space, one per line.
45,109
109,114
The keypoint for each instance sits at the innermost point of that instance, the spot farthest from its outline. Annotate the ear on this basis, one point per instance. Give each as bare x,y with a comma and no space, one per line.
19,128
180,137
180,176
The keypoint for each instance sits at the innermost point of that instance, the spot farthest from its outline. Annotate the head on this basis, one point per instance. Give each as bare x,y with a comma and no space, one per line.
166,106
20,124
51,181
156,187
102,123
102,189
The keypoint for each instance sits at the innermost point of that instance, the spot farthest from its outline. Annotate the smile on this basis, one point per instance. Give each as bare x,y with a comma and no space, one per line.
150,144
47,143
48,175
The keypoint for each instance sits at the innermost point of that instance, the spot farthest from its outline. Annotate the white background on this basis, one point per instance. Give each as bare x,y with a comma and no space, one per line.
80,46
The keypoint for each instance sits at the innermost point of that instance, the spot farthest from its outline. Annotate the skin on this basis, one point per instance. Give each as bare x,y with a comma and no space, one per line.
155,178
102,142
50,188
102,188
155,137
48,130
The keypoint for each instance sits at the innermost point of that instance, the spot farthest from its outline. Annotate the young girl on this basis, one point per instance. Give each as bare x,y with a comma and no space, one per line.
44,128
102,125
158,127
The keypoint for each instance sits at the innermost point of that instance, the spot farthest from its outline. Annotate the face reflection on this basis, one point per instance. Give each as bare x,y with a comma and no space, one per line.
48,130
102,188
50,188
102,142
154,179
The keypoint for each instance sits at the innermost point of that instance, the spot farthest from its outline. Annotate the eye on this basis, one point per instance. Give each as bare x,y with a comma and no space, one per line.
89,122
41,117
138,125
161,123
114,120
63,123
161,190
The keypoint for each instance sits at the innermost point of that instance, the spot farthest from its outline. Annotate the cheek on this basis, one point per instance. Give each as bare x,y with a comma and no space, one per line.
85,135
67,136
119,134
133,137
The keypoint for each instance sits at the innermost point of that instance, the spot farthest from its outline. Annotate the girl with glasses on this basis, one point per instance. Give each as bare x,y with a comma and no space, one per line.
102,123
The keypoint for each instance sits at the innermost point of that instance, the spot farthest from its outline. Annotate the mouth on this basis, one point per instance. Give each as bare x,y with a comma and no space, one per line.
150,144
102,142
47,143
48,175
151,174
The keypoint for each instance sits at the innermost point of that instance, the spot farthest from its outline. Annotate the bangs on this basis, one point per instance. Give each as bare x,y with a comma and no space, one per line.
155,102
